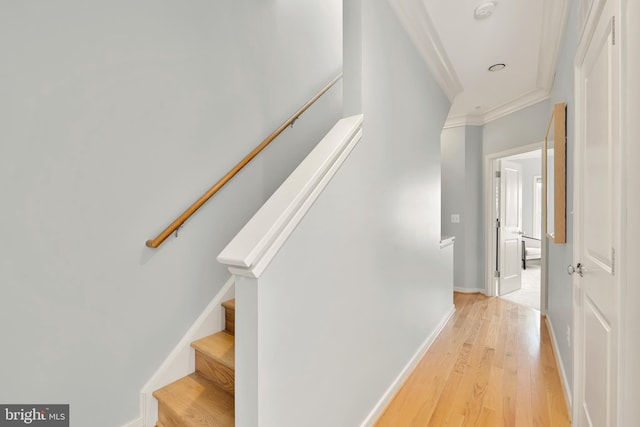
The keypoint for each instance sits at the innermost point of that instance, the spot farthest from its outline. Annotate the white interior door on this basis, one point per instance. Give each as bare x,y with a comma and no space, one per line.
510,219
597,202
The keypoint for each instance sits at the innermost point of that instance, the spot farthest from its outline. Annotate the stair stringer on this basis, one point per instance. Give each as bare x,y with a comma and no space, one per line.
181,360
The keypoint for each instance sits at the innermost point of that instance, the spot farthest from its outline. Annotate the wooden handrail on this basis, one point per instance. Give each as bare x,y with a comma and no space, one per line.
177,223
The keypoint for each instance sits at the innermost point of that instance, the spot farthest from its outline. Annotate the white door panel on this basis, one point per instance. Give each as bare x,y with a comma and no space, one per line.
596,397
597,204
510,252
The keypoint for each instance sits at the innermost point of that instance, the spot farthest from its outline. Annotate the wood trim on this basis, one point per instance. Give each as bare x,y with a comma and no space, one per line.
558,121
180,220
560,173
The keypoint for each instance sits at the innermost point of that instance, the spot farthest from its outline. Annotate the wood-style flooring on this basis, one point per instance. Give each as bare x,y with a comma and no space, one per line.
492,365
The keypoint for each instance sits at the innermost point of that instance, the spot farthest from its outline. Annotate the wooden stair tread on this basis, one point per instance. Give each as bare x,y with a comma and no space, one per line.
230,316
194,401
230,304
219,347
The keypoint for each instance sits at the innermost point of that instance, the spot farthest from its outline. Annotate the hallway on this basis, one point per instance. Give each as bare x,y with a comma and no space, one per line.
492,365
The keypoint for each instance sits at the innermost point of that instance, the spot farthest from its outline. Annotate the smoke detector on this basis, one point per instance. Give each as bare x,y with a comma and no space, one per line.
484,9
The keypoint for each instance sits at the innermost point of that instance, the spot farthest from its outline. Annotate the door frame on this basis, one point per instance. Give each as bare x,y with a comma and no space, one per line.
489,168
537,203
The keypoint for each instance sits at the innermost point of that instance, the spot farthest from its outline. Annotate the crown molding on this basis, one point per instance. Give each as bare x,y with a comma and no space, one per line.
554,20
417,23
526,100
521,102
464,120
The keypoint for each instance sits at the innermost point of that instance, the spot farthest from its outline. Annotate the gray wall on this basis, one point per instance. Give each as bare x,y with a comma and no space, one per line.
560,287
364,266
114,117
524,127
473,230
462,194
453,191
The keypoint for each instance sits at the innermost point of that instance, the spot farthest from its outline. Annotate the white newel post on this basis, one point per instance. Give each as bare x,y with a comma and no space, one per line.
248,255
246,351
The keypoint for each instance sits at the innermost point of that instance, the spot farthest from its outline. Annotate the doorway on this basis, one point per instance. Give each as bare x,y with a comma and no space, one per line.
513,204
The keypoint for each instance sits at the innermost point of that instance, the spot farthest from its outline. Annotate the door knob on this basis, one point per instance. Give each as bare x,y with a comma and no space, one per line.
577,269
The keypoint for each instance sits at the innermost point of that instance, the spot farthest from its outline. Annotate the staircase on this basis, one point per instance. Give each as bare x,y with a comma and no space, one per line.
206,397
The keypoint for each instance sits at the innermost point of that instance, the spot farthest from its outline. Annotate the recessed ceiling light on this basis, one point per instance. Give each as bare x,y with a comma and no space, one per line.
484,9
497,67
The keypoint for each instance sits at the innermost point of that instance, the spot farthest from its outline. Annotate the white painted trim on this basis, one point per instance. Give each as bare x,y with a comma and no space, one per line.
253,248
563,373
465,120
525,100
404,374
447,241
417,23
521,102
181,360
470,290
587,31
555,13
138,422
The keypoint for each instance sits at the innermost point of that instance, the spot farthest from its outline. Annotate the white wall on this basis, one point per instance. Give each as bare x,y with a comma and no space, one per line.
114,116
359,285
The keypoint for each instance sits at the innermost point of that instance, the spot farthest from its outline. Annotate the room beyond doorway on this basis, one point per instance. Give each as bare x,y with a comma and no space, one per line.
513,192
529,294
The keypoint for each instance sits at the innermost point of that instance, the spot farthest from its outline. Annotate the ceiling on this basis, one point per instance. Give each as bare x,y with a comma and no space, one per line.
524,35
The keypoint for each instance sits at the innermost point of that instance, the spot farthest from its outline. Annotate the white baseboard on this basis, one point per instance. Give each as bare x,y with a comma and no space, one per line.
181,360
563,374
138,422
404,374
469,290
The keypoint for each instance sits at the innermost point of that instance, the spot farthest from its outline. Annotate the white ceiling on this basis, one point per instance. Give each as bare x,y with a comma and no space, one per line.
523,34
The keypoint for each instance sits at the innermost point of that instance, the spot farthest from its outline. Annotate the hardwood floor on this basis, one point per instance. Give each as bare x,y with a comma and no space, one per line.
492,365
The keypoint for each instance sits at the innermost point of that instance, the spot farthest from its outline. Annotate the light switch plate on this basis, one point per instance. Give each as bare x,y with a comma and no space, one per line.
455,218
